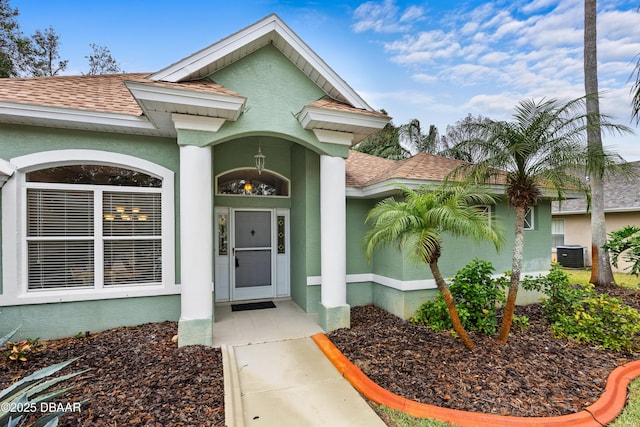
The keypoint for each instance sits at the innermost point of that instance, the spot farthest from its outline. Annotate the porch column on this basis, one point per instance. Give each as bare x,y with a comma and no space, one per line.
334,311
196,246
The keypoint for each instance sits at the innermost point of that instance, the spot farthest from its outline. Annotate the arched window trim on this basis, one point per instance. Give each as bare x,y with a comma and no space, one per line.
14,218
264,171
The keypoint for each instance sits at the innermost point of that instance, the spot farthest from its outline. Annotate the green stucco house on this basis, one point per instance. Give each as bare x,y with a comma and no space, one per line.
226,176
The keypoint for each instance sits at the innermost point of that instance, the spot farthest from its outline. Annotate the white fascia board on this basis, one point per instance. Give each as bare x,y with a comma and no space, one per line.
270,24
201,59
206,124
310,115
318,63
58,114
147,92
390,186
334,137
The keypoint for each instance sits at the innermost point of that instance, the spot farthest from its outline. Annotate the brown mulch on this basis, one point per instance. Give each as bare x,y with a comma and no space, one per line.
137,376
534,374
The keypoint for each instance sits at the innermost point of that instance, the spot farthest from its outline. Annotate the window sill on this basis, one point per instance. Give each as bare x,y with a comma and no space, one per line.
74,295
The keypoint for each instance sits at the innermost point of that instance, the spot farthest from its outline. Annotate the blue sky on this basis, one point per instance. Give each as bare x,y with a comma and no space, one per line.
435,61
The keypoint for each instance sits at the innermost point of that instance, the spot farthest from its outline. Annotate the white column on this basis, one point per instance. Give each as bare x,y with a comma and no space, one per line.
333,232
196,245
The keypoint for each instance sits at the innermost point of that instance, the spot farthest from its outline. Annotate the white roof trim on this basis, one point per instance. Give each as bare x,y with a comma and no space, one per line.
269,29
584,211
390,186
310,116
166,95
59,114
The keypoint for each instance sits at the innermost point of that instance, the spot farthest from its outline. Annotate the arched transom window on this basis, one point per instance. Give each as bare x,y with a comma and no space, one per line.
249,182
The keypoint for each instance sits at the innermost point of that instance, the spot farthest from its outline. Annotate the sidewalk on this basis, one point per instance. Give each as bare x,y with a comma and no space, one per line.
284,380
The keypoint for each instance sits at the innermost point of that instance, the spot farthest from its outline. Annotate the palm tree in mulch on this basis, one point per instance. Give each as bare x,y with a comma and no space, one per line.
417,223
542,149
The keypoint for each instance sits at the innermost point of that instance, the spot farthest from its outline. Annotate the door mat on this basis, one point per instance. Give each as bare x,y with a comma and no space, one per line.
252,306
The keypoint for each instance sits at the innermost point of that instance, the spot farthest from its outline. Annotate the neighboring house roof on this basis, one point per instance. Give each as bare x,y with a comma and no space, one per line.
621,194
143,103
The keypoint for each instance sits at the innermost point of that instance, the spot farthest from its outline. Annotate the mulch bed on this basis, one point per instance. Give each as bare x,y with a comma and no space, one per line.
534,374
137,376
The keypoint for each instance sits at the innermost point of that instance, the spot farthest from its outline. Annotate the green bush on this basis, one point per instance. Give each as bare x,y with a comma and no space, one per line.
602,320
580,313
477,295
625,243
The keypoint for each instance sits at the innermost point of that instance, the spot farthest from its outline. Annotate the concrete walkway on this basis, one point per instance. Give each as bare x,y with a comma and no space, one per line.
275,375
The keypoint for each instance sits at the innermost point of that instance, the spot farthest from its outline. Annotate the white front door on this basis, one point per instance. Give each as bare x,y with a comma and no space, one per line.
253,252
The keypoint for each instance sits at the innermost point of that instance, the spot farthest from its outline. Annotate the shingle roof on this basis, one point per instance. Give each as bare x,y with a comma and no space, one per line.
332,104
105,93
620,193
364,169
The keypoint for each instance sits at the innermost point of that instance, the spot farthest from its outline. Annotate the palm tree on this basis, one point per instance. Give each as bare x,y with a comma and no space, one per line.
635,92
418,222
416,141
601,272
542,148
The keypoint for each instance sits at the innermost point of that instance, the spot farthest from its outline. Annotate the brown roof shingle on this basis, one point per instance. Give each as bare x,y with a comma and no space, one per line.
105,93
332,104
364,169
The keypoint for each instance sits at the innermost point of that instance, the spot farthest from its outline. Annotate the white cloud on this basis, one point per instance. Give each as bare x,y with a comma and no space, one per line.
424,78
385,17
488,58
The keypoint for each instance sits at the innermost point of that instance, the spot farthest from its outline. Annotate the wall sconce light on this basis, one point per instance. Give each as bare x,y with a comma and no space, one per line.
259,160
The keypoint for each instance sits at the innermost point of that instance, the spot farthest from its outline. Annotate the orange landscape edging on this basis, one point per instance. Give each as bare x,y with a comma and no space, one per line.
601,412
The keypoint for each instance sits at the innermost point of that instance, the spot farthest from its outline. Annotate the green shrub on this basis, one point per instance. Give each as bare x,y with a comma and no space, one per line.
625,243
580,313
477,295
602,320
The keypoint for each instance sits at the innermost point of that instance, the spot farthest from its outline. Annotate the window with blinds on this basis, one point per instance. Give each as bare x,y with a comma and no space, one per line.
60,244
100,235
132,238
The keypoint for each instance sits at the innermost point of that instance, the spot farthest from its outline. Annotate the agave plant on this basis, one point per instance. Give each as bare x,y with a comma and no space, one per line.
28,395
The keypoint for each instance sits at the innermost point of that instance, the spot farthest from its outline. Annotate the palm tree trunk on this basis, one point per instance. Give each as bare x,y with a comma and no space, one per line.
516,269
601,273
451,306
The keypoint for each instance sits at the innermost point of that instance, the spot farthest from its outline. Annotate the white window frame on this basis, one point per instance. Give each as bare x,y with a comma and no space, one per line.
556,224
531,224
14,227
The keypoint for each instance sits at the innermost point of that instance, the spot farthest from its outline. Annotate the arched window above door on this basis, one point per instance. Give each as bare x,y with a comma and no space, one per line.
248,182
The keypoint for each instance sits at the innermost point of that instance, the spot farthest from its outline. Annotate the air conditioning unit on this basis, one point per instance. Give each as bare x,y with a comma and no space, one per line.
571,256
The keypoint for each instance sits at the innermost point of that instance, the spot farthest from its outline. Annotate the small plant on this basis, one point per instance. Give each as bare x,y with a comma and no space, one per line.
477,295
21,399
521,322
19,350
